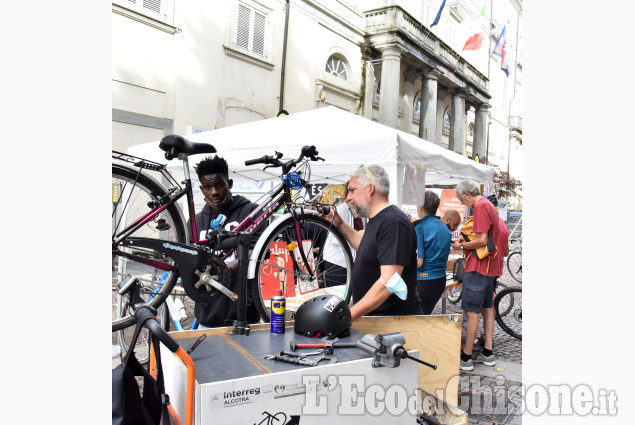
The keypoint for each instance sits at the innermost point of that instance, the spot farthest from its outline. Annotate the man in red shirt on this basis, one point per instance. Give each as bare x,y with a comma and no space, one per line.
478,281
503,243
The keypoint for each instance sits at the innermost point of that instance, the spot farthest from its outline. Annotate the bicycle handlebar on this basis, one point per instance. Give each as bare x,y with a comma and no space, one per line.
146,315
307,151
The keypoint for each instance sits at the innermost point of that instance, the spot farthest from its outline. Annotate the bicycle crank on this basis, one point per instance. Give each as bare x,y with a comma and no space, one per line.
213,276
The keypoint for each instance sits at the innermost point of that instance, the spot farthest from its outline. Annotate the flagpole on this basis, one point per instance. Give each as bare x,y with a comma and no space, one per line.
489,61
509,143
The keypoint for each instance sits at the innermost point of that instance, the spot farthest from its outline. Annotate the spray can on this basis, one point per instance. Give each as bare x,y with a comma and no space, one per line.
278,308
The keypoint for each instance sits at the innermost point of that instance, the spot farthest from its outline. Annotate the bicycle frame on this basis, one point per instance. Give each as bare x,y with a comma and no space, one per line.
271,202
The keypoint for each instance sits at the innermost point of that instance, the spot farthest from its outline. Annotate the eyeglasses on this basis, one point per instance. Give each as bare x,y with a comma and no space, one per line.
372,178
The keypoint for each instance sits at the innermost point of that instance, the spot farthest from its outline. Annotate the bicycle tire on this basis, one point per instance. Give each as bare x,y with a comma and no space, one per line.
456,297
331,278
136,190
515,265
506,308
142,347
512,321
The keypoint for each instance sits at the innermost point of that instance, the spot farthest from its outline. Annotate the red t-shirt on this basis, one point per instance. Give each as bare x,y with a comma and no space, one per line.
485,220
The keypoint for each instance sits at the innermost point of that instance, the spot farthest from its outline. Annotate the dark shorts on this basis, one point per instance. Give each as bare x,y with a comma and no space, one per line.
478,292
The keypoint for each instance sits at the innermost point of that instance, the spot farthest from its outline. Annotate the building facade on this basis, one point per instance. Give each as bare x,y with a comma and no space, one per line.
188,66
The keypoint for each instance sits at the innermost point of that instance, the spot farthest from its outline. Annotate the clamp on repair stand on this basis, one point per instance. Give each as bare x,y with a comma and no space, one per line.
387,349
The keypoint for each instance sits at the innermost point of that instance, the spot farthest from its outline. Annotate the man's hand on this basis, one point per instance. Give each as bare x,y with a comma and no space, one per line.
333,217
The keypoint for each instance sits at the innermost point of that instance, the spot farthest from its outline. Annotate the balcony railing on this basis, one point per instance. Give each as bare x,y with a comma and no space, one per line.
393,18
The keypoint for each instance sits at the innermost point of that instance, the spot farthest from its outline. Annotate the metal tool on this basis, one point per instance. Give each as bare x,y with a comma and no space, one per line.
294,354
293,360
325,356
196,343
387,349
327,344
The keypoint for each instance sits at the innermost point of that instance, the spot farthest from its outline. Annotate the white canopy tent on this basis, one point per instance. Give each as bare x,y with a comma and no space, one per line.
343,139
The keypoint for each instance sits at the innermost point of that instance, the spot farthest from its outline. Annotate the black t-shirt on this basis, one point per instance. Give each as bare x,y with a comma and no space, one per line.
389,239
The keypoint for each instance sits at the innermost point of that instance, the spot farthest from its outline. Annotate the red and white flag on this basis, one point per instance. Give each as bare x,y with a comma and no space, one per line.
475,41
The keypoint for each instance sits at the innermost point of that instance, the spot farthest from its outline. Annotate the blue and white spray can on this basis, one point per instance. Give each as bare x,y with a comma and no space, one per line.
278,309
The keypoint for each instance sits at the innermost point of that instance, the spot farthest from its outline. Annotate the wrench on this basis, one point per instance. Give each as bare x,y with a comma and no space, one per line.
327,344
325,356
299,361
301,355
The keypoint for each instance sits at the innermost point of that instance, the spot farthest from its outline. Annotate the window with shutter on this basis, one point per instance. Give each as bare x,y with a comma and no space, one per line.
250,30
159,10
242,36
259,34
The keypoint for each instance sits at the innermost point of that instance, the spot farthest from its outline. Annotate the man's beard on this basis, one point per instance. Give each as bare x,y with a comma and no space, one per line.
362,210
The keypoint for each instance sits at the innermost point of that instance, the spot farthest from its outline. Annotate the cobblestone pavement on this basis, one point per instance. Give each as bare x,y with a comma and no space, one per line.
487,399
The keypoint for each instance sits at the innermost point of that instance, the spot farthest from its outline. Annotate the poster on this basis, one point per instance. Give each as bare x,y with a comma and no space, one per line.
414,186
277,271
449,201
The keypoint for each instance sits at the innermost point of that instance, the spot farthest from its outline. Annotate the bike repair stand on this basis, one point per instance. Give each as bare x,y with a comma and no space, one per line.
240,325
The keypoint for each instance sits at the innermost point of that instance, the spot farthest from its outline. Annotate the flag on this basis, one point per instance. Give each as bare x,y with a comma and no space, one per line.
504,64
475,41
499,50
500,44
436,20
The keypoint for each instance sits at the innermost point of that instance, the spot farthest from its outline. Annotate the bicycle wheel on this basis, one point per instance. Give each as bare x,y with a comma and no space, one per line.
142,347
327,269
511,322
515,265
135,193
455,298
507,307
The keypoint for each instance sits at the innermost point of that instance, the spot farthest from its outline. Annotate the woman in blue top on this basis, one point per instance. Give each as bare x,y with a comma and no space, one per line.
433,248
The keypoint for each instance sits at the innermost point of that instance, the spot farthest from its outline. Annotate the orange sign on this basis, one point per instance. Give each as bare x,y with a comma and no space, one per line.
277,272
449,201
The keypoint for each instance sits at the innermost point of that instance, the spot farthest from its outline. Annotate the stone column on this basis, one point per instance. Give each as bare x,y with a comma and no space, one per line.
481,127
407,102
390,78
428,114
457,121
369,84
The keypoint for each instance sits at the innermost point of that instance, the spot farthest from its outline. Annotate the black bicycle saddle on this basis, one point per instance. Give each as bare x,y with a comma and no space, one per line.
173,145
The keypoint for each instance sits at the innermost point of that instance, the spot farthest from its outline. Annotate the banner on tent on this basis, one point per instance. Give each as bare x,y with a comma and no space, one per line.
414,186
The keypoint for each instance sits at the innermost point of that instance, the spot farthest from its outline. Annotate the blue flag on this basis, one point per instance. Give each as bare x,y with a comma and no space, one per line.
436,20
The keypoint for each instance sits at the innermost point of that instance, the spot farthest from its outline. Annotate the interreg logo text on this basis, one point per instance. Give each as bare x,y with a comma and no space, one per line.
179,248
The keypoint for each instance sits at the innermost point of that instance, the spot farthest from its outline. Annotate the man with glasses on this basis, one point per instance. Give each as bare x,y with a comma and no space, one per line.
478,280
213,173
384,278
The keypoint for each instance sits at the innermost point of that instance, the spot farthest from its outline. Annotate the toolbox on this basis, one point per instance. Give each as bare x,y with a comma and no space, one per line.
236,384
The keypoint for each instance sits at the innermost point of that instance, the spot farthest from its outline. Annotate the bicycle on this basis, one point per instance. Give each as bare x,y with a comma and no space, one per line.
515,265
150,237
508,311
171,309
147,323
